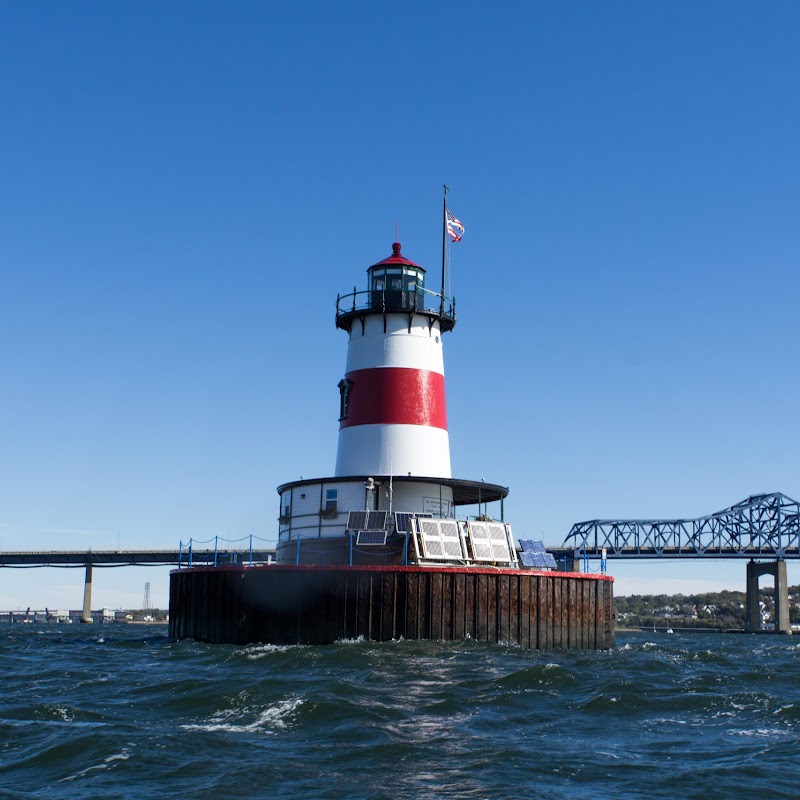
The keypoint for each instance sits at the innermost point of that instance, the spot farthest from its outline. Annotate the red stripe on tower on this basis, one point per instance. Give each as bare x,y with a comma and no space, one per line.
395,396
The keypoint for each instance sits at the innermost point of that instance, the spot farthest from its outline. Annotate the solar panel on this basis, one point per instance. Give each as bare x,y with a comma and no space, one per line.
532,546
532,560
440,539
500,548
537,560
366,521
371,538
401,519
376,521
491,541
479,538
357,520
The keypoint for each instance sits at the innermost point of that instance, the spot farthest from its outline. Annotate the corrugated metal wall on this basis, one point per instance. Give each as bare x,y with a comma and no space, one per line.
320,605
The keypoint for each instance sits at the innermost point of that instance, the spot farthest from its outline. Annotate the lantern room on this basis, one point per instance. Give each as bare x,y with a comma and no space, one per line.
396,283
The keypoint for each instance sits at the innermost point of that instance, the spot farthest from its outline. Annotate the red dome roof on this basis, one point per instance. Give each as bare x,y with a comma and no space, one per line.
396,259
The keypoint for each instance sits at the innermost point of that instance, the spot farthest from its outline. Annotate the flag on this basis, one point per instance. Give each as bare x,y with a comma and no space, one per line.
454,227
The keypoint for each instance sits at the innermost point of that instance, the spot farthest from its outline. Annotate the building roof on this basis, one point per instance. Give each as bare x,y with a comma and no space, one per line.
396,259
465,492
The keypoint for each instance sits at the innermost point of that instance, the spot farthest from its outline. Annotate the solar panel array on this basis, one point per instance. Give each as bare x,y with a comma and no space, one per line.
371,538
437,539
535,556
366,521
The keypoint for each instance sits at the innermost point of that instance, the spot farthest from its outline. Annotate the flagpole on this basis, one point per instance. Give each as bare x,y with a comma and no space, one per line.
444,243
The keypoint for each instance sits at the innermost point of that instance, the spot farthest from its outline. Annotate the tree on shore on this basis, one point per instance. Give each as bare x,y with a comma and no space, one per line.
724,609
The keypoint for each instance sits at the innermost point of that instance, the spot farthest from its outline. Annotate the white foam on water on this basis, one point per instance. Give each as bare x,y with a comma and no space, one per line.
256,652
762,732
108,763
231,720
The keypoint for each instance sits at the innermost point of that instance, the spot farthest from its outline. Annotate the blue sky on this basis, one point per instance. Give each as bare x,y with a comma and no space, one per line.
186,188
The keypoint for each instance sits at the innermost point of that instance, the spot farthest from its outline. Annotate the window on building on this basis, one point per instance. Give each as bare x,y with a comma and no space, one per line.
331,499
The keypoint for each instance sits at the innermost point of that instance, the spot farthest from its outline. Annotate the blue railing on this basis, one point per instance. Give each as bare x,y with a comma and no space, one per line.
221,553
306,545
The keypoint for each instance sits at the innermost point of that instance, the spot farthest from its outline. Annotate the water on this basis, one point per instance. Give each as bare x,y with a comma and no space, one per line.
121,711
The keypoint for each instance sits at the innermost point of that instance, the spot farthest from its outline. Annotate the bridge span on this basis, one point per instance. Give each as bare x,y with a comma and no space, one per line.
763,528
129,558
88,559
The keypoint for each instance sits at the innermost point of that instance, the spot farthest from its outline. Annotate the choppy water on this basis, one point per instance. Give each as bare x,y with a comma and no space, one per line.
123,712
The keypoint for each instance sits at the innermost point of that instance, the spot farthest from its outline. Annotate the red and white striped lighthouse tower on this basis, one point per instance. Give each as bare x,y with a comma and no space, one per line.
393,415
393,455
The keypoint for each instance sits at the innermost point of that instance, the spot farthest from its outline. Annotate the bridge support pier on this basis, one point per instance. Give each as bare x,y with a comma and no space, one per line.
778,571
87,594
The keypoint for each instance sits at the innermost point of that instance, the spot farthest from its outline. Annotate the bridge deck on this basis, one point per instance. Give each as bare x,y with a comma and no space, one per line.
119,558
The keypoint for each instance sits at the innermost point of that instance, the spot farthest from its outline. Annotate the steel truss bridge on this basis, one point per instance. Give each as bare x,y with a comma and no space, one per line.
762,526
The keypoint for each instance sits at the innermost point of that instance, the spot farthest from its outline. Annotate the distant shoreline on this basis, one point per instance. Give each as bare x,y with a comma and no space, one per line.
678,629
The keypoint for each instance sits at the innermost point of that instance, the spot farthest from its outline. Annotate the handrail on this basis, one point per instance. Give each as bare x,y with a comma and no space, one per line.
365,300
190,547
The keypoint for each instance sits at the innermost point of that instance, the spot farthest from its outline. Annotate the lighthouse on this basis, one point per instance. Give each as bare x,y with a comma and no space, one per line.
391,545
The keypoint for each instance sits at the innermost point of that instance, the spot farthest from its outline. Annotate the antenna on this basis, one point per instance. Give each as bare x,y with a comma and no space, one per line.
444,244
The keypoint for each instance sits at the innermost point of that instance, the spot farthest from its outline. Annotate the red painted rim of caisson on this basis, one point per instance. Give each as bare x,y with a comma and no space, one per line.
430,569
395,396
